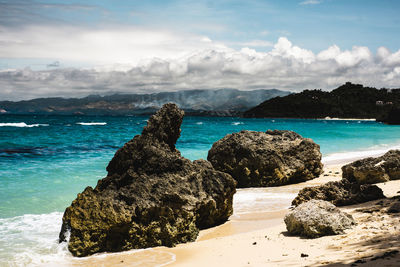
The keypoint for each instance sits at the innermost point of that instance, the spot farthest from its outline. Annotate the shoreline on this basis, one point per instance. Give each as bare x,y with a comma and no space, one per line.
228,242
271,246
346,119
260,239
343,158
31,228
239,225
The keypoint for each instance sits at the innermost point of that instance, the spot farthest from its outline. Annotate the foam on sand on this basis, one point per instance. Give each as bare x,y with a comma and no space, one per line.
253,200
91,123
20,124
347,157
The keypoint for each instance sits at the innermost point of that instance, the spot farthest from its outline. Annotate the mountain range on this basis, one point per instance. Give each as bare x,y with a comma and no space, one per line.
219,102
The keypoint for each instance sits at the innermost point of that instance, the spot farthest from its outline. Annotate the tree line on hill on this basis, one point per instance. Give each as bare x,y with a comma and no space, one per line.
347,101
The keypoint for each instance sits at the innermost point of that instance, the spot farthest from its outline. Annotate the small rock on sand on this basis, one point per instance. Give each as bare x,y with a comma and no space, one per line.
317,218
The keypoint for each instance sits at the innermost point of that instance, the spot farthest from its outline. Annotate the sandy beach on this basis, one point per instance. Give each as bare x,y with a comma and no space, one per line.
375,235
260,239
179,133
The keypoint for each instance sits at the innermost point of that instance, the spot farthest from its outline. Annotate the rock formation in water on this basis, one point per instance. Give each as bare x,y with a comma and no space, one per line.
269,158
152,196
340,193
374,170
317,218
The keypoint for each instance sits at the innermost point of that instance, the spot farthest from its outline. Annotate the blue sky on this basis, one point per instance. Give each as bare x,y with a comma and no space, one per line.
313,24
120,35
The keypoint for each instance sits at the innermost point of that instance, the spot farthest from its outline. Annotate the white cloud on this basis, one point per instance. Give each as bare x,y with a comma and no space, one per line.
349,58
285,49
285,66
98,46
331,53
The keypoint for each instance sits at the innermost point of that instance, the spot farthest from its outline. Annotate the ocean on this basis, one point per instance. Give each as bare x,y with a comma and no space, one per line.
46,160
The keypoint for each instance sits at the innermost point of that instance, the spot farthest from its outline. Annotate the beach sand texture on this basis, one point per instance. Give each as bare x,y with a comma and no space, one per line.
260,239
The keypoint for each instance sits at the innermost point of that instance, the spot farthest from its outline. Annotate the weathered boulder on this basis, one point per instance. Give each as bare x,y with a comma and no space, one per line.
152,196
374,170
272,158
340,193
317,218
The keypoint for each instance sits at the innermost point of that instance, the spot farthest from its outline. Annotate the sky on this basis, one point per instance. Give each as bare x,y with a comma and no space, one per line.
75,48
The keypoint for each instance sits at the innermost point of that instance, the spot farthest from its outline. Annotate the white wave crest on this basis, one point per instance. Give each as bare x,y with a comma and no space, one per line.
199,123
91,123
237,123
20,124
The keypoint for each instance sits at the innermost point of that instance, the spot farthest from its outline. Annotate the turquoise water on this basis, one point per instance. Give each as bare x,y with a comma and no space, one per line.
44,166
46,160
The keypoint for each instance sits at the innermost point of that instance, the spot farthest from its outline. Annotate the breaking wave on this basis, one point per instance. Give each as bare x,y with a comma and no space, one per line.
20,124
91,123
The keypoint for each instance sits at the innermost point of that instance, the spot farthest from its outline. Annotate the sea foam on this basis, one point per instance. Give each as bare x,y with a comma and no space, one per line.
32,240
253,200
20,124
347,157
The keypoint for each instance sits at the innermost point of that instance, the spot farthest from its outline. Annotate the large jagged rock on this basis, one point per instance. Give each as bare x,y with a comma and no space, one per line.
374,170
317,218
340,193
151,196
258,159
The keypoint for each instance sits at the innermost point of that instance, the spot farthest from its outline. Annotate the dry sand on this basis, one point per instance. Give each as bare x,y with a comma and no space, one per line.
377,233
260,239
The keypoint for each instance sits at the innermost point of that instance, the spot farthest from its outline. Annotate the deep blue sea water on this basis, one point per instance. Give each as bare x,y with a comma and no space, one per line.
46,160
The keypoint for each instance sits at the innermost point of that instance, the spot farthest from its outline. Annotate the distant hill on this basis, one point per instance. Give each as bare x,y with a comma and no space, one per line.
221,102
347,101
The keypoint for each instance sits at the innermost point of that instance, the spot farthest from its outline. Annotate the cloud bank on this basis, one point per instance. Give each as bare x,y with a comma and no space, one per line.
285,66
